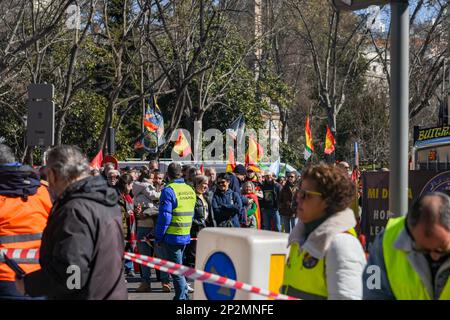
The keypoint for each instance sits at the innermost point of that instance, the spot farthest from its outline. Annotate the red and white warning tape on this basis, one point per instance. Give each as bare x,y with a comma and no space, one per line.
32,256
21,255
153,240
178,269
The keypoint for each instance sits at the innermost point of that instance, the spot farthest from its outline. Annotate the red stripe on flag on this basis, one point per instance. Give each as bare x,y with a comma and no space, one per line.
150,125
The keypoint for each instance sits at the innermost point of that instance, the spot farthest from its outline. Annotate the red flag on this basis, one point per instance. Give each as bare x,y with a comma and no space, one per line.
355,175
133,239
202,169
96,163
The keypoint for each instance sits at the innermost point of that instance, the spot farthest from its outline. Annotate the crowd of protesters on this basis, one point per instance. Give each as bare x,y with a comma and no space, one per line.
240,199
84,218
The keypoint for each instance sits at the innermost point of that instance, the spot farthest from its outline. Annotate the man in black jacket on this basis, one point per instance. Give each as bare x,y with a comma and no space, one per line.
81,254
269,203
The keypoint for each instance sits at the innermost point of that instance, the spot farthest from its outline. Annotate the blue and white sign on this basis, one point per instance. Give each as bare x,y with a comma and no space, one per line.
221,264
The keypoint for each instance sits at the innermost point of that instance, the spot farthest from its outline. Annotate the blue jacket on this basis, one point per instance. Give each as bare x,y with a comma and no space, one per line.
228,204
235,185
376,258
168,202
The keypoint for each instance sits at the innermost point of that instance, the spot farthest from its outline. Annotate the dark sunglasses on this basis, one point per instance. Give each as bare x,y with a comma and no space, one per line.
306,194
221,182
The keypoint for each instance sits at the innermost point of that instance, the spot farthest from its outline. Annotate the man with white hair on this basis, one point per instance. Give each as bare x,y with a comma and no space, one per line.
113,177
81,254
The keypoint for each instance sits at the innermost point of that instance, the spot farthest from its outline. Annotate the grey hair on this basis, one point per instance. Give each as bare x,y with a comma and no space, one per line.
210,169
113,171
6,154
248,183
421,213
68,162
200,179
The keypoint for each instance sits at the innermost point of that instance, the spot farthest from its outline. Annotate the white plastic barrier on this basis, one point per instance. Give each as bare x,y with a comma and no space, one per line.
252,256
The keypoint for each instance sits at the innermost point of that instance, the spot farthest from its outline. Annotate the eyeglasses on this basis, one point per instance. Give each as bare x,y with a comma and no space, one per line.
306,194
221,182
428,252
418,249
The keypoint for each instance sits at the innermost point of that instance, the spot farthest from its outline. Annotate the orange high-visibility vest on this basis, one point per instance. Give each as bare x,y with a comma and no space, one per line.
21,225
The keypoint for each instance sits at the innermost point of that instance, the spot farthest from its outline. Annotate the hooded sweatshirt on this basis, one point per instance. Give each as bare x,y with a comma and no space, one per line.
83,236
18,181
145,193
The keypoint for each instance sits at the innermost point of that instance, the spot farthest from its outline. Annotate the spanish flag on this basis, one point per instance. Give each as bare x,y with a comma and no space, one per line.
231,162
182,146
329,142
309,147
254,152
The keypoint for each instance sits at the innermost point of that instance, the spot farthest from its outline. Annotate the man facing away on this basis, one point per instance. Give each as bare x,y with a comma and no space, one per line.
176,211
24,208
81,254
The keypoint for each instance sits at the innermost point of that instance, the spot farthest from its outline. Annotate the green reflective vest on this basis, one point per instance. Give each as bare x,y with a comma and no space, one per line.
182,215
405,282
304,275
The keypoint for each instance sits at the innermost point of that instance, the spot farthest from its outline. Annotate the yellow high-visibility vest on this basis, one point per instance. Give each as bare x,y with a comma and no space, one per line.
182,215
304,275
405,283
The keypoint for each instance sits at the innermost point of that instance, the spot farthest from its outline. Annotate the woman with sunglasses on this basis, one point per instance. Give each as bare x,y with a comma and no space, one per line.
326,259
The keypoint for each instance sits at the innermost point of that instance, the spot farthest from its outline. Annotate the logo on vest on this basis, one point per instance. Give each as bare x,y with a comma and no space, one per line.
309,261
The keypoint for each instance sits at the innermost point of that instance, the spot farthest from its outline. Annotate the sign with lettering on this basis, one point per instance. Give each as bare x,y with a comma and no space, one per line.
375,211
436,133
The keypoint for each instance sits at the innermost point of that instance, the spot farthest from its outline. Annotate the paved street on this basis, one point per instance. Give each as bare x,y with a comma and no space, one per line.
155,294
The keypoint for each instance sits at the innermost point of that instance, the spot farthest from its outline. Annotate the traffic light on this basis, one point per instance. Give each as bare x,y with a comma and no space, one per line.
354,5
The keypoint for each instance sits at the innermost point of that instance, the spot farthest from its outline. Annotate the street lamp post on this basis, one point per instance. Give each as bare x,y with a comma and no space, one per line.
399,94
398,182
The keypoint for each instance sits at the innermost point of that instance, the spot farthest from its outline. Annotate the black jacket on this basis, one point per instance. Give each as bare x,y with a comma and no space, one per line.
271,192
199,222
84,232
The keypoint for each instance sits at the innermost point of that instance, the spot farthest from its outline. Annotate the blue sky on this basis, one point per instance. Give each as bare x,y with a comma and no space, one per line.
425,14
